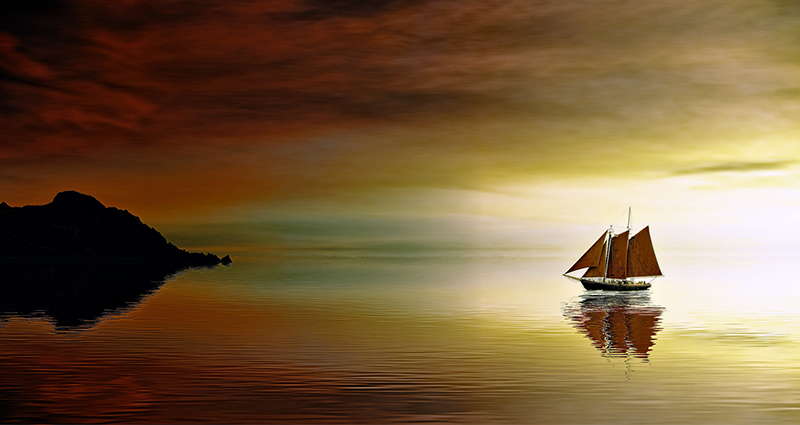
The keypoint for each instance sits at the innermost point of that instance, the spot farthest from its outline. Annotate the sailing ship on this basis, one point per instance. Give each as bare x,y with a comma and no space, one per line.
616,262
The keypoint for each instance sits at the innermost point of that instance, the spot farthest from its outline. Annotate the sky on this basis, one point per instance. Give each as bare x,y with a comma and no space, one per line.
400,124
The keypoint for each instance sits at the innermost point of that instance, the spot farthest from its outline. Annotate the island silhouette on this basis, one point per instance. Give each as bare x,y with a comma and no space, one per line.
75,260
78,228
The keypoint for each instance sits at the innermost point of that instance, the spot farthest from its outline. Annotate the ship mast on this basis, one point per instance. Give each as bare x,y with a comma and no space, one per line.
629,218
608,244
608,250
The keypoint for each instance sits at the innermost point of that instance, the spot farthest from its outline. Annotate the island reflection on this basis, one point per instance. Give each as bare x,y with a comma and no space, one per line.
76,296
617,324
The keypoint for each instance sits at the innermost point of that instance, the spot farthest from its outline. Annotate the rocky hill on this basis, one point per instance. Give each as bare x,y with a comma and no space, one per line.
78,228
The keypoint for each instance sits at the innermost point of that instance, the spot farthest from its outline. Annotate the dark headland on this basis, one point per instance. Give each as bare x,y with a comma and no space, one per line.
77,228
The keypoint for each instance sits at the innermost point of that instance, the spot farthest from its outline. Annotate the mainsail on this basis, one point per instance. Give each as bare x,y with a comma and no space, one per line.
618,257
641,256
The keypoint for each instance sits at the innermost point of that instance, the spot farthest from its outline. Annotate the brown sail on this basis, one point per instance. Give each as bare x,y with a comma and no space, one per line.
617,263
592,257
600,269
641,256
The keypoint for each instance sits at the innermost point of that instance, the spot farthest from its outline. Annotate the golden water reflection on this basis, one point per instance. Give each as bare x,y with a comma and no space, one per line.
617,324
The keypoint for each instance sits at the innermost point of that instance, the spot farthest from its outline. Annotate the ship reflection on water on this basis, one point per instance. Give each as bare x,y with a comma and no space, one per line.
617,324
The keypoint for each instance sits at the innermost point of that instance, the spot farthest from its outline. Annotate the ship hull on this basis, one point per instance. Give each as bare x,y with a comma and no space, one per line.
614,285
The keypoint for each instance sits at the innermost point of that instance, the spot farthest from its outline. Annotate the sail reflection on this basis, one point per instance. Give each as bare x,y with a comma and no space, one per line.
76,296
617,324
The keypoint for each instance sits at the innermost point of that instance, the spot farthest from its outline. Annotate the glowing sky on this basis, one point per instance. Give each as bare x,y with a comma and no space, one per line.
496,113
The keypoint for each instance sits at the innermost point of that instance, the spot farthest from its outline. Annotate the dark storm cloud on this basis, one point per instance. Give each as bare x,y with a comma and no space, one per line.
325,9
25,16
87,75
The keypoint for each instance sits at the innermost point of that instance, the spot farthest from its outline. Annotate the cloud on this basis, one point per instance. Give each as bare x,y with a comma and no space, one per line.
325,9
94,76
149,72
736,167
291,96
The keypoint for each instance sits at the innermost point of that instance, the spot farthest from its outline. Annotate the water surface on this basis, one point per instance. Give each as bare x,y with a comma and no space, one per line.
416,339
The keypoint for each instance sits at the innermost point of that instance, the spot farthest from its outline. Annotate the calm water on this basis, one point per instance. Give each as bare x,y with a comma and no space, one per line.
429,339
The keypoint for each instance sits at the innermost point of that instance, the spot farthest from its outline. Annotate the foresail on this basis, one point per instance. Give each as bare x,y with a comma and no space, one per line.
592,257
619,256
641,256
600,269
